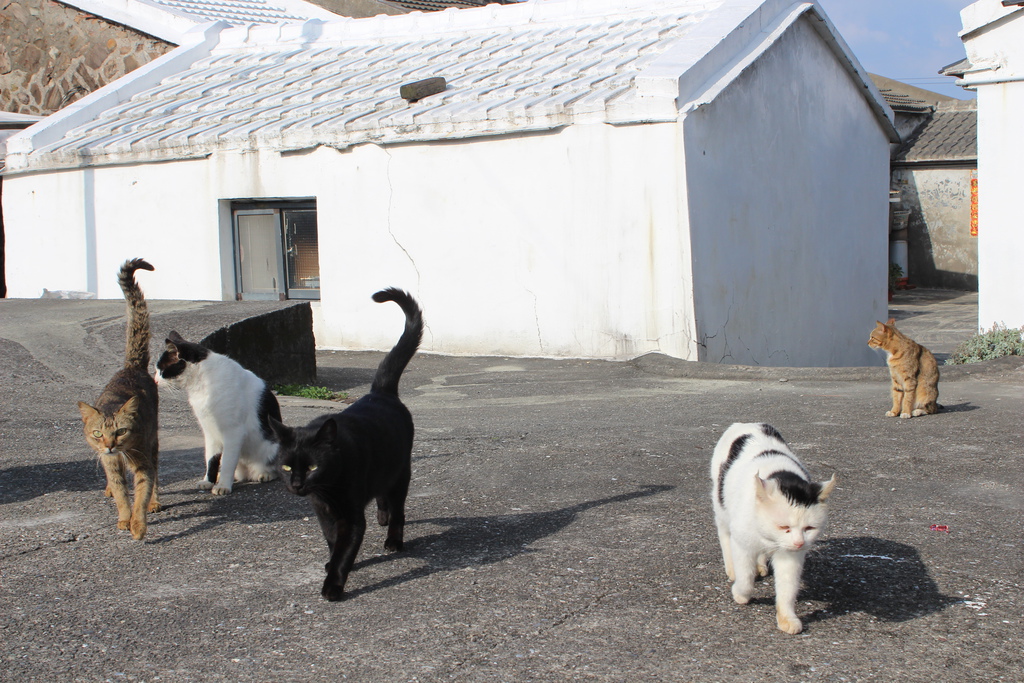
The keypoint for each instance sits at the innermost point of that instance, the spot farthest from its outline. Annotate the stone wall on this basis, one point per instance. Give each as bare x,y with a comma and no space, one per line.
52,54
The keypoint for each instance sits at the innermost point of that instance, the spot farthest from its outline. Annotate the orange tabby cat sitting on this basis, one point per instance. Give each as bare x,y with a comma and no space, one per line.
914,372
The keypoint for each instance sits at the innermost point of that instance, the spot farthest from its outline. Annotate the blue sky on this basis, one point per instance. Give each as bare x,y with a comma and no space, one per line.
908,40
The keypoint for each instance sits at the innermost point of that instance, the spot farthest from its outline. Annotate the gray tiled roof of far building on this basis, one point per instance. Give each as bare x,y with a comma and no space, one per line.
435,5
234,12
148,15
950,135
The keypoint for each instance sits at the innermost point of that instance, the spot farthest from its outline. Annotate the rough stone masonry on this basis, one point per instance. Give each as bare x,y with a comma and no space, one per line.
53,54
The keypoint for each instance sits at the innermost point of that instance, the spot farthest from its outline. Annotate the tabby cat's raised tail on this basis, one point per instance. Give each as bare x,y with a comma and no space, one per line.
389,372
136,351
121,426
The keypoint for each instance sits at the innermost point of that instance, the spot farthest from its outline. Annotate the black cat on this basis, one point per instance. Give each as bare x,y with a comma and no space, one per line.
344,460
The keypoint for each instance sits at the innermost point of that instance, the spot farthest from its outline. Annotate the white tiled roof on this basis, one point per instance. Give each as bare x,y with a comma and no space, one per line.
338,83
533,66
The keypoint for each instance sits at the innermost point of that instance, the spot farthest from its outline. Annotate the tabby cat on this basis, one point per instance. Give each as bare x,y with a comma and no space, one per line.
122,426
912,367
766,509
233,407
344,460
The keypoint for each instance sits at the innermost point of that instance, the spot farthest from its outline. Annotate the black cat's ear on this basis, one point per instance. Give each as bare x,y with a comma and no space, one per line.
282,434
327,434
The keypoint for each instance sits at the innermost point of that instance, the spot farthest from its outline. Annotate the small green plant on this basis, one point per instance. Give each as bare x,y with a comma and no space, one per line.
998,342
895,273
307,391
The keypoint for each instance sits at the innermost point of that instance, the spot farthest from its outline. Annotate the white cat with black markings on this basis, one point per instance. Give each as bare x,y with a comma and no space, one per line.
233,407
766,509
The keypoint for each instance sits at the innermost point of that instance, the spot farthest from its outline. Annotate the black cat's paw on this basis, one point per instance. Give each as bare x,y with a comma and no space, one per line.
383,517
332,592
393,545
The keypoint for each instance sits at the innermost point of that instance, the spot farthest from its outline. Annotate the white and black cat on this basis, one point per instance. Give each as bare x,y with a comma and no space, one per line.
344,460
766,508
233,407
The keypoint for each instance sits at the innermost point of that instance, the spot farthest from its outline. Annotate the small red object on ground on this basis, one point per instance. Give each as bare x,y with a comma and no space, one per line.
940,527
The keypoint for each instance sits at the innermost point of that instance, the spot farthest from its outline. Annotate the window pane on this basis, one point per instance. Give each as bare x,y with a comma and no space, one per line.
302,252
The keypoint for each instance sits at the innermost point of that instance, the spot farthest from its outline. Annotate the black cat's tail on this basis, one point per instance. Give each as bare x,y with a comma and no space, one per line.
390,369
136,351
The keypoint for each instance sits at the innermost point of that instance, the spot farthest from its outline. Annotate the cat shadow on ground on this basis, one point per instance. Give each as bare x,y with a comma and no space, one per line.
964,407
884,579
249,503
25,482
186,509
475,541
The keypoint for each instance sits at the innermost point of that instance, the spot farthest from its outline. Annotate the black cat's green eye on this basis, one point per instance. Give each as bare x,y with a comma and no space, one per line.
286,468
312,467
96,434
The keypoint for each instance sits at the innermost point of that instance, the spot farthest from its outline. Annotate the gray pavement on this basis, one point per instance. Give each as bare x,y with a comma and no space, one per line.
938,318
560,528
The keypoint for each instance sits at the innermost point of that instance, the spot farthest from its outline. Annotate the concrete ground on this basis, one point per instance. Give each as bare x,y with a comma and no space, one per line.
560,529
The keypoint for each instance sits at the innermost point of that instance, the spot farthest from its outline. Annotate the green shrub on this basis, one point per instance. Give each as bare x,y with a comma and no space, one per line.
895,273
996,343
306,391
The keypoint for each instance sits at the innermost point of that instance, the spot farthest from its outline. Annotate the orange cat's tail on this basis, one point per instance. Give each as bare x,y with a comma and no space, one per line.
136,350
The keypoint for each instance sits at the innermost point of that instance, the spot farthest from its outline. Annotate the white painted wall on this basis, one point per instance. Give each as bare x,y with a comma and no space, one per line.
571,243
1000,204
994,39
788,186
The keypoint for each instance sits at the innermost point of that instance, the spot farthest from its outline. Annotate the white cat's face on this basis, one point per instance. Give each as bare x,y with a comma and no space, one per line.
791,527
178,361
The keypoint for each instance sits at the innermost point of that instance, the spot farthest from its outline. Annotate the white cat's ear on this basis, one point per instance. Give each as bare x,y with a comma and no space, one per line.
171,352
764,488
171,345
826,489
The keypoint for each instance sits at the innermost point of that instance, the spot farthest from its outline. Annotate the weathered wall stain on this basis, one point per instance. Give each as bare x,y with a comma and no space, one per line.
941,251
